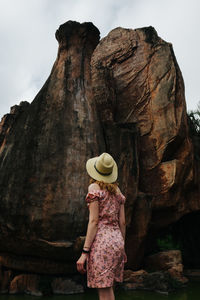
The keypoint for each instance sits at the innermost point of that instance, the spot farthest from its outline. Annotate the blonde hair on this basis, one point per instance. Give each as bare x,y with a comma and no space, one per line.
110,187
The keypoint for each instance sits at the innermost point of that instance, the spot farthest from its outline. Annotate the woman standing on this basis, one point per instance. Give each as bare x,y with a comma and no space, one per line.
103,249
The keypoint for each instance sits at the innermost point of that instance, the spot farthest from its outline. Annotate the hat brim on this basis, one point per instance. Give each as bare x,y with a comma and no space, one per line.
95,175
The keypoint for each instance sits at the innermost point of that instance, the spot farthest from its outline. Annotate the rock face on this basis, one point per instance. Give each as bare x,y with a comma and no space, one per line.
123,95
43,153
6,277
164,260
24,283
65,286
137,81
170,261
159,281
37,285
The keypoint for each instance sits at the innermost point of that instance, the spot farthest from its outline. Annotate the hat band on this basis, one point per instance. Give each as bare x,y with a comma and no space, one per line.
104,174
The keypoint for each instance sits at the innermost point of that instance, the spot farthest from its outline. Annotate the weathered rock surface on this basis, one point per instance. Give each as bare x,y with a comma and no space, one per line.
123,95
36,265
159,281
66,286
164,260
137,276
170,261
43,153
38,285
25,283
136,80
6,277
8,120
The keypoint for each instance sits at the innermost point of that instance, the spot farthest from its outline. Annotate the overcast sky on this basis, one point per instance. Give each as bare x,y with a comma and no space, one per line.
29,48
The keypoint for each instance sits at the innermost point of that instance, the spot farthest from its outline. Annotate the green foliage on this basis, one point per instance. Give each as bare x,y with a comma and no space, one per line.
168,243
194,123
194,130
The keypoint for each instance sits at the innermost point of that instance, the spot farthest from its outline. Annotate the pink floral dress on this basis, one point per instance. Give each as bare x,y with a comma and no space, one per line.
105,263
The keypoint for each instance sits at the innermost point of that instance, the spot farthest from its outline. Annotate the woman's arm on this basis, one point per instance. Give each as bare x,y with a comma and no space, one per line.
91,229
122,221
92,224
93,218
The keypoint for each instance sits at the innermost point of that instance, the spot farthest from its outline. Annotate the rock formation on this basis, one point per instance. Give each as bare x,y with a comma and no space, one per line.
43,153
123,94
137,84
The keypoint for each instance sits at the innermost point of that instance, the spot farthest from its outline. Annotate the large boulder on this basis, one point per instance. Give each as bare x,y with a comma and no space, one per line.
137,84
44,147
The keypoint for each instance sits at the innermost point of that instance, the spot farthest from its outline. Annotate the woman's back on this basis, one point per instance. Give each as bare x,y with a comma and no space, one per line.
106,258
109,205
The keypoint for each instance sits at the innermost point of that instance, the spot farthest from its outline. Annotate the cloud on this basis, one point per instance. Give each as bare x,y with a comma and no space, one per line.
28,46
26,36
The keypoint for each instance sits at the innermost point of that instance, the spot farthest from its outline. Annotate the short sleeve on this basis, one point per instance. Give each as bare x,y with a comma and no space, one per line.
122,199
92,196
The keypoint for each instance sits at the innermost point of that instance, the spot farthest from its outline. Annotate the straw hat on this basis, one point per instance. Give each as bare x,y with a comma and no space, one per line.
102,168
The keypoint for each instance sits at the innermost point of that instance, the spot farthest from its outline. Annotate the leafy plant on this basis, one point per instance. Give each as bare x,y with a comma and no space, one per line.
194,116
168,243
194,130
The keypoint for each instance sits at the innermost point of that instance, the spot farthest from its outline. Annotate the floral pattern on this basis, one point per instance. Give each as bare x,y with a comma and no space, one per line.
105,263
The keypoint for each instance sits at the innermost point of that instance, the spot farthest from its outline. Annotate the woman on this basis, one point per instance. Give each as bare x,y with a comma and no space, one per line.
103,250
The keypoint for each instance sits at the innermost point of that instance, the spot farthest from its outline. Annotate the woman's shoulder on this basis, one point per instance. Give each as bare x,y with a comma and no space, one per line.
120,195
118,191
93,193
93,187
